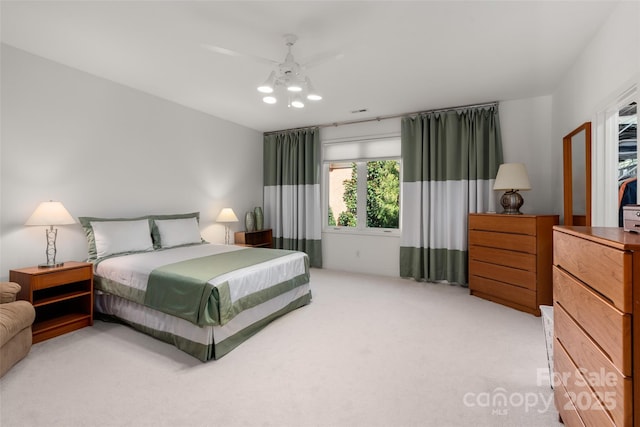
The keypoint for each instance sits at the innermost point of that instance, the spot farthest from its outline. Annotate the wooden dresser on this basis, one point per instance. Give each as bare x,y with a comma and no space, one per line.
596,279
510,259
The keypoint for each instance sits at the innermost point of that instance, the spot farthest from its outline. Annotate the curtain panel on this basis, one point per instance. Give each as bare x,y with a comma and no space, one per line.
449,163
292,191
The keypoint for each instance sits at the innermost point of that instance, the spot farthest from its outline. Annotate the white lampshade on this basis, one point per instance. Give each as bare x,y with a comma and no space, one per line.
312,94
512,176
267,86
227,215
50,213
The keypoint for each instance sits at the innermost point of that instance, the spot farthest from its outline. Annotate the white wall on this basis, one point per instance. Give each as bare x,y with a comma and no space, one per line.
526,137
607,67
104,149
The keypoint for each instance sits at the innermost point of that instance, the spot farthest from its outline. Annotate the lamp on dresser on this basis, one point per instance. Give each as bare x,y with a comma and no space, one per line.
226,216
50,213
512,177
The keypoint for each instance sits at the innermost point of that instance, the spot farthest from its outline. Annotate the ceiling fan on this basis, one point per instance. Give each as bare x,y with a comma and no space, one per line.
288,74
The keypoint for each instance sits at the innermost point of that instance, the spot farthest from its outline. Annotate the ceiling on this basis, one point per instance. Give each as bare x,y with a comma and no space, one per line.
398,56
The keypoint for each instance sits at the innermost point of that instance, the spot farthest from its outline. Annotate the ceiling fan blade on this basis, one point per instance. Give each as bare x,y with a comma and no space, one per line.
229,52
321,58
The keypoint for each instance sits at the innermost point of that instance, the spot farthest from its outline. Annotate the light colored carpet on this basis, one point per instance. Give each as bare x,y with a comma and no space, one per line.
368,351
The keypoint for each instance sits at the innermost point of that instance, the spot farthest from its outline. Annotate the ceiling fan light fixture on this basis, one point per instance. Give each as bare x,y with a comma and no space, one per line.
269,99
267,86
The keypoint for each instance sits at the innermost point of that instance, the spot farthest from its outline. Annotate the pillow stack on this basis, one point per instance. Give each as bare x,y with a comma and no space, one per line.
120,236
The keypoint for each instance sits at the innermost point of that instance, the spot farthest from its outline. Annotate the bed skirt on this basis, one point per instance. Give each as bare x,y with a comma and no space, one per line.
202,342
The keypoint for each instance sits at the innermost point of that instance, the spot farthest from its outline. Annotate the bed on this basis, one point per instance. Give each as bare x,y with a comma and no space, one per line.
206,299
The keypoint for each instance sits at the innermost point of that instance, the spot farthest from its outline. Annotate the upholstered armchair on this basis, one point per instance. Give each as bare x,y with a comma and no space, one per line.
16,318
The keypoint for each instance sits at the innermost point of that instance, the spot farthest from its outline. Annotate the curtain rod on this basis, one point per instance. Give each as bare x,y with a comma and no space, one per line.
391,116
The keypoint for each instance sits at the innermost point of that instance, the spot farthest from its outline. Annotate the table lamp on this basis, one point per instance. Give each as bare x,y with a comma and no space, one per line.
50,213
512,177
226,215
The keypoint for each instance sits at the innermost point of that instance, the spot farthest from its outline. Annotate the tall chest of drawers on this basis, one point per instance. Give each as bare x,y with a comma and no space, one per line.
510,259
596,293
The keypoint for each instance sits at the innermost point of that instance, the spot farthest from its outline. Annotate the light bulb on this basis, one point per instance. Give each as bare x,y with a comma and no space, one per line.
297,102
270,99
267,86
312,94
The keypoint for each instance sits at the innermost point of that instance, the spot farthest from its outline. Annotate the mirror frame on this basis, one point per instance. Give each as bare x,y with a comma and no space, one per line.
569,218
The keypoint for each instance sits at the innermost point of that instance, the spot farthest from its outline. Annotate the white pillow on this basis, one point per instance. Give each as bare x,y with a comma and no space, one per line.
176,232
115,237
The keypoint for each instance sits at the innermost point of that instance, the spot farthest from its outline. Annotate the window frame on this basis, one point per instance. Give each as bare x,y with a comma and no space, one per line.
360,228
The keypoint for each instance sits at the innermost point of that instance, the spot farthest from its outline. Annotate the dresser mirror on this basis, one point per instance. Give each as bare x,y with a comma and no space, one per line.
577,175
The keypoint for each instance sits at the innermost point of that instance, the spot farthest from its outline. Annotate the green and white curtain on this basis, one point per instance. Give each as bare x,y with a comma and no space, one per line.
292,191
449,163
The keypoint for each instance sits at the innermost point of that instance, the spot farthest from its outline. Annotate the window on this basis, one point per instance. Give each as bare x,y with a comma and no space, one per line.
361,185
363,195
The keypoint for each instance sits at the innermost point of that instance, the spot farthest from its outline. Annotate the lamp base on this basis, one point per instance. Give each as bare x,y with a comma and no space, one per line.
511,202
54,265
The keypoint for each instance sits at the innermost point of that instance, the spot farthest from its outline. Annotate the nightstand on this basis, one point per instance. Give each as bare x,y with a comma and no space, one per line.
62,297
254,239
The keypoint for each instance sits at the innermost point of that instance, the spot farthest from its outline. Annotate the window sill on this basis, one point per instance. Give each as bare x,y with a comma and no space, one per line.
360,232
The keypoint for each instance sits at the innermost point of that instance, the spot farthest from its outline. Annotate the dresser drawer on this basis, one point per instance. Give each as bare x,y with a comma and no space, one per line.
488,288
605,324
603,377
574,389
605,269
513,242
505,224
569,414
519,260
513,276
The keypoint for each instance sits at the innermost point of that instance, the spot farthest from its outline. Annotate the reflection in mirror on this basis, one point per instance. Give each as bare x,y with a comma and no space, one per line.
577,176
578,180
627,157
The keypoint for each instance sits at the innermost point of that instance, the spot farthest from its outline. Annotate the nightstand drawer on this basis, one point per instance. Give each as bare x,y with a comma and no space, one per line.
48,280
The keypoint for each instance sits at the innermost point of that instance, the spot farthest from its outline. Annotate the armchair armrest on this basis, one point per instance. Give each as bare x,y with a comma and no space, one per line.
8,292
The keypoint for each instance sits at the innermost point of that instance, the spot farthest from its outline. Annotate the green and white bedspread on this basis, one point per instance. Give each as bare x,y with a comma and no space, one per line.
205,284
